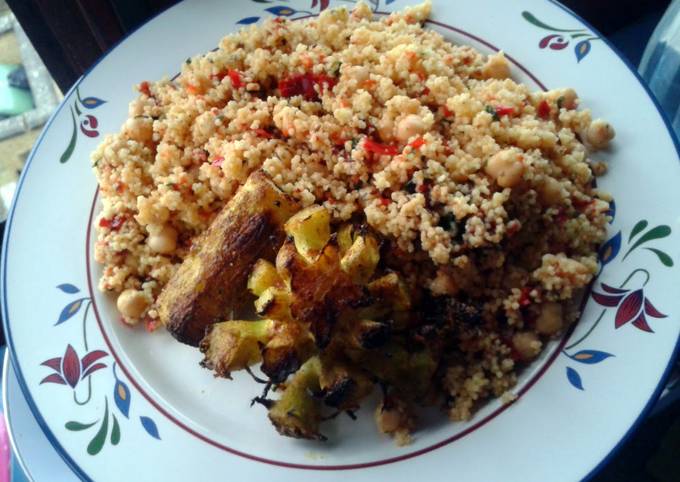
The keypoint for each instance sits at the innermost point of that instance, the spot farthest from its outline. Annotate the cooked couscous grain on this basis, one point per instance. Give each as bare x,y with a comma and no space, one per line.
481,188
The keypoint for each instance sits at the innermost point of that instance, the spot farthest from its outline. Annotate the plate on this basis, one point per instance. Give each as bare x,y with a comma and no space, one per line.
35,454
110,398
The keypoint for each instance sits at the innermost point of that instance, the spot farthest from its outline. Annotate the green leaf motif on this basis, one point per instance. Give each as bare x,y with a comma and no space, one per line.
663,257
115,432
637,229
654,233
74,426
97,443
72,143
529,17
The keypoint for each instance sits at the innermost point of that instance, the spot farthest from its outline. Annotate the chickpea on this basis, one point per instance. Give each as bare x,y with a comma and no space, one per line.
549,320
600,133
386,128
163,241
527,345
139,128
506,167
132,304
569,98
410,126
496,67
550,191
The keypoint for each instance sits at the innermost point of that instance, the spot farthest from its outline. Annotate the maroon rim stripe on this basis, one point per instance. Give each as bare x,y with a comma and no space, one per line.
530,383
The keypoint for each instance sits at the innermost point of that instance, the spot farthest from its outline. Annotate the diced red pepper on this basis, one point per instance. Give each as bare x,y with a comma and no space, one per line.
524,297
426,91
381,149
501,111
217,162
384,201
263,133
423,188
151,324
419,142
446,111
543,110
303,84
144,88
580,204
235,77
114,224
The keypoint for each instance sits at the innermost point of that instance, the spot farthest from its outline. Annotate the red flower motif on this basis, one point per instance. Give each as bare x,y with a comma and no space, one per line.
632,306
70,369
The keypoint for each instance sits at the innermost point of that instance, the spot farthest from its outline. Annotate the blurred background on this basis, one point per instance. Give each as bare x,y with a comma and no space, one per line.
46,45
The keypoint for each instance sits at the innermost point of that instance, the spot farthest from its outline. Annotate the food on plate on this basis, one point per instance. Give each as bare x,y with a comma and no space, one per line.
210,282
397,211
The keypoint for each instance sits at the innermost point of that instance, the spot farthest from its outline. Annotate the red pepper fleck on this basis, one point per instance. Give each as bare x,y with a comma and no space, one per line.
446,111
263,133
381,149
501,111
114,224
303,84
120,188
581,204
217,162
419,142
151,324
144,88
384,201
524,298
235,77
543,110
423,188
426,91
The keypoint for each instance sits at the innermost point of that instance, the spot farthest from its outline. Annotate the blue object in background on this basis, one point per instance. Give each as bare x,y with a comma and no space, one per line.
660,65
17,475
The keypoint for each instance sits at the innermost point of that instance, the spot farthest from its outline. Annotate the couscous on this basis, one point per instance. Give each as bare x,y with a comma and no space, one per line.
480,189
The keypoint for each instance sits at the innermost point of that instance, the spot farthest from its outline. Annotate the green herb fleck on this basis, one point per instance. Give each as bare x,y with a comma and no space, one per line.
410,187
447,221
96,162
560,101
493,112
355,142
335,68
187,61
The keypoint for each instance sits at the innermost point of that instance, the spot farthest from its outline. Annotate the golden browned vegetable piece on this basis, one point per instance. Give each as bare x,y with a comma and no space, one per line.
211,280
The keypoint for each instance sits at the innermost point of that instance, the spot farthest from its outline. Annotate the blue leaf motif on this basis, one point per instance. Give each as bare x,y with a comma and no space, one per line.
68,311
68,288
121,395
92,102
150,427
574,378
590,357
610,249
582,49
281,11
248,20
611,212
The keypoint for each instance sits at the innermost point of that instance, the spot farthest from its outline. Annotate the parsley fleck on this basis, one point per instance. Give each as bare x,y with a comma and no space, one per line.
560,101
335,68
447,222
410,187
493,112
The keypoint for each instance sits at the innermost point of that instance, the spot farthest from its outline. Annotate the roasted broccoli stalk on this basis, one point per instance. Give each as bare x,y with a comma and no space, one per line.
298,412
234,345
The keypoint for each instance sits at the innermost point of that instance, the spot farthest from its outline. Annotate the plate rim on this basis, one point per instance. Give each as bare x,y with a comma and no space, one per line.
5,244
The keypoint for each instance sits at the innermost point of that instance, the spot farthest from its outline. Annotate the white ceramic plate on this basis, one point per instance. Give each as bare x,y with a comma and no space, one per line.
112,400
34,452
